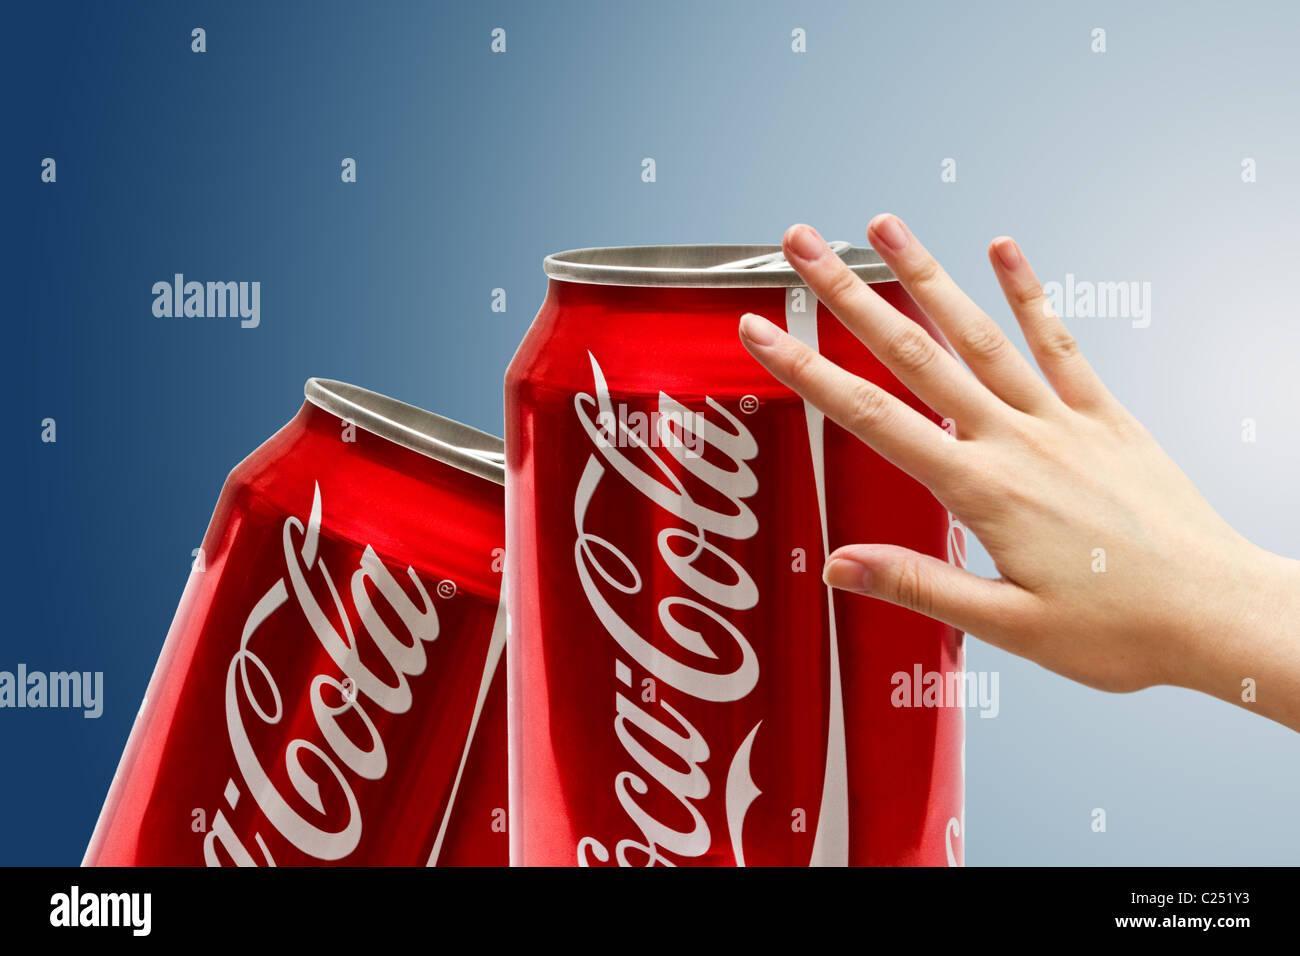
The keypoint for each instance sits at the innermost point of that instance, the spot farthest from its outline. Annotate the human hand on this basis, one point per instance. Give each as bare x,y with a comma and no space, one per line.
1115,571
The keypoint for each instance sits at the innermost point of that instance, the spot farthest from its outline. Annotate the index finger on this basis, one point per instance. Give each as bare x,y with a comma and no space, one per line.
889,425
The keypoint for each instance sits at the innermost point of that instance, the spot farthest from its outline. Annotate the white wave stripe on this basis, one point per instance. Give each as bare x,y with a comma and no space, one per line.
741,793
831,840
495,647
957,825
958,542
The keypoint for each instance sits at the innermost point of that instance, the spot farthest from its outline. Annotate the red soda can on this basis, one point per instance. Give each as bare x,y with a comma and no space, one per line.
329,691
683,688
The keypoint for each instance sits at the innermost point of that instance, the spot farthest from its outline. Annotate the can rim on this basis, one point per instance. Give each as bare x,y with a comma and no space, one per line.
439,438
694,266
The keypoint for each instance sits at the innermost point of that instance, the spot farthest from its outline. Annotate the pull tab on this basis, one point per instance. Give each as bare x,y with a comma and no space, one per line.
770,262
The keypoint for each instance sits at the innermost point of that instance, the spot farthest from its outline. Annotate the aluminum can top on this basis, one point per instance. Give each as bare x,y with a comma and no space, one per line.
699,266
440,438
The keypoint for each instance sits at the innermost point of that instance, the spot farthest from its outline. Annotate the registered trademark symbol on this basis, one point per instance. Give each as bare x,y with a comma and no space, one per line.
749,404
446,589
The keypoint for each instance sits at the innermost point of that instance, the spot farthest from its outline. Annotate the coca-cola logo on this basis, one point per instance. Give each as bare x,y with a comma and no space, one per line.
692,620
338,759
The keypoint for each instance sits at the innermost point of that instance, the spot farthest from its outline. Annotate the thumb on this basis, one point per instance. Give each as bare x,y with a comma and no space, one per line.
919,582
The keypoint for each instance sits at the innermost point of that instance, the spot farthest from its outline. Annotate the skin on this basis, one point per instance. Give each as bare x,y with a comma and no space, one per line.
1045,470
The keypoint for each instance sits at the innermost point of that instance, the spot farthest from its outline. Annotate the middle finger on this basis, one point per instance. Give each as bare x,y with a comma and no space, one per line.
977,338
924,366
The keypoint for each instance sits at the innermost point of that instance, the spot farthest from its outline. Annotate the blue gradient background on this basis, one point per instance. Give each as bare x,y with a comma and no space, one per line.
472,166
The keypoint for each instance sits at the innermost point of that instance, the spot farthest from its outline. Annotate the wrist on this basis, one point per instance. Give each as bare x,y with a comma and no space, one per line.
1244,642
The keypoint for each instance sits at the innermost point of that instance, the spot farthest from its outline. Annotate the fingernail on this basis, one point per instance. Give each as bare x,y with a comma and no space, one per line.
1008,253
805,242
890,231
847,575
758,330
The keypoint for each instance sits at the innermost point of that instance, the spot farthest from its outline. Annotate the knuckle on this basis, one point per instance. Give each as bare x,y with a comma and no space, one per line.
926,275
801,365
911,590
1128,429
1059,345
982,340
910,349
868,408
842,286
1027,297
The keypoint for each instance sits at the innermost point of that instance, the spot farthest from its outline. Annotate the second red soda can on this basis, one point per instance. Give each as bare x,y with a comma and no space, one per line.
329,692
683,687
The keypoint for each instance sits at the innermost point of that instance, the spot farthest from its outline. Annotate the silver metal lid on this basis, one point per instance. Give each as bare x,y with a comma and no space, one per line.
704,267
440,438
